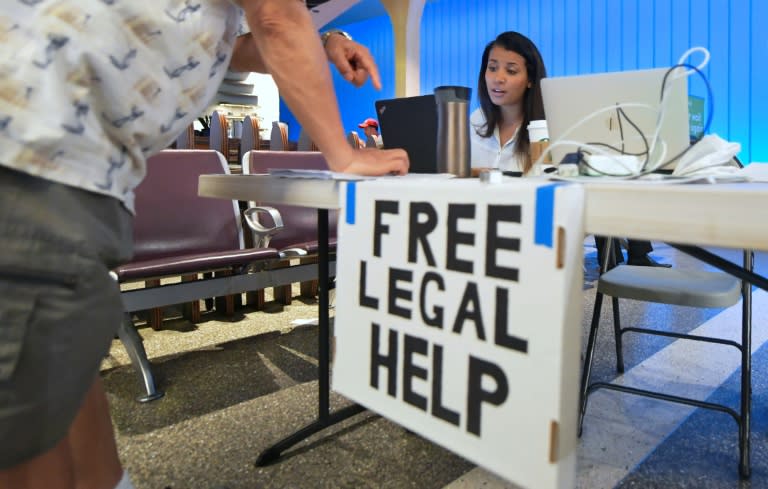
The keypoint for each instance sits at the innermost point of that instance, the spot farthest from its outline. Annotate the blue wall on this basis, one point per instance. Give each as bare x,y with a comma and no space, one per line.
585,36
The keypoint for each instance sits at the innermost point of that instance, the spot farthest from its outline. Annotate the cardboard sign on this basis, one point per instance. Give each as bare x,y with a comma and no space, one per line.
459,316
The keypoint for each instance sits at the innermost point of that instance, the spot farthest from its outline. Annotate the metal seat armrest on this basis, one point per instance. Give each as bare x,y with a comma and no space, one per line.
262,233
293,252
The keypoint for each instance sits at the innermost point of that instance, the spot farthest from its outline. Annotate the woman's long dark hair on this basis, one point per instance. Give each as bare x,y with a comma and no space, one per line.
533,105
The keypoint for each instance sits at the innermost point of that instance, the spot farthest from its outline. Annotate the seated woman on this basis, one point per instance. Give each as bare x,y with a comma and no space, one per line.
509,91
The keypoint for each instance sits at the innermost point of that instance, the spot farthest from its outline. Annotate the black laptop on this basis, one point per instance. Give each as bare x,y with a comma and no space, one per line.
410,123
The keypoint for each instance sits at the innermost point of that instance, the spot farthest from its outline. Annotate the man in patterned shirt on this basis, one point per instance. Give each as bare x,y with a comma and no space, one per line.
88,90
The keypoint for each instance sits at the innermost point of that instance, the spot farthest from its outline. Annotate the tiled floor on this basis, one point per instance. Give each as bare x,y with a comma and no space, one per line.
235,387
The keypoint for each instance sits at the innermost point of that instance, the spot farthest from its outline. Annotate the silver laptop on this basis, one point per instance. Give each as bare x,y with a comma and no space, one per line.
567,100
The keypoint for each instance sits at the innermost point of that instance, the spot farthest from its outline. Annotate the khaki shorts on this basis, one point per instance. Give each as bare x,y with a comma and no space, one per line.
59,308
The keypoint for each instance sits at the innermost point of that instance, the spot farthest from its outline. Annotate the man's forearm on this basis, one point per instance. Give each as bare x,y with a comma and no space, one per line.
292,53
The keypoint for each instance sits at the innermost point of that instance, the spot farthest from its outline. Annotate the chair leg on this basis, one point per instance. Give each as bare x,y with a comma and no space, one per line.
227,304
208,302
308,289
255,298
588,359
191,310
155,318
746,372
617,335
283,294
745,412
135,348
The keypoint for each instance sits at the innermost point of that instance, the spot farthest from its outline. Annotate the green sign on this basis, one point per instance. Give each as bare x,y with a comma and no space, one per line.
696,116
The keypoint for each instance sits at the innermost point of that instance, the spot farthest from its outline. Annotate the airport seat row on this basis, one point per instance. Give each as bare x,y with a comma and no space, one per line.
248,138
190,248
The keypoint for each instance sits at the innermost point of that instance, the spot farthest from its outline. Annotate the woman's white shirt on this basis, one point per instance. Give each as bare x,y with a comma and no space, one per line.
488,152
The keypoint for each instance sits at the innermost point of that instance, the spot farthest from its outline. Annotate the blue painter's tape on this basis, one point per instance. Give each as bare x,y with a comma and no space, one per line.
545,215
349,209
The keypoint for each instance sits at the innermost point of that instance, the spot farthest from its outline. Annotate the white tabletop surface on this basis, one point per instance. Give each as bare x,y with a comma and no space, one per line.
729,215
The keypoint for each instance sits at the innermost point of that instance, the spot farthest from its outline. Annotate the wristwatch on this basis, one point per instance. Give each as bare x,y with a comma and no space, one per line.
327,34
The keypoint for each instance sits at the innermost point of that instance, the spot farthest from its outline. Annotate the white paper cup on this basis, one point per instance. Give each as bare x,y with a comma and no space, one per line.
537,131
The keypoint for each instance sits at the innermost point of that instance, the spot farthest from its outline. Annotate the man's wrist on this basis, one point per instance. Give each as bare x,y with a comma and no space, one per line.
325,36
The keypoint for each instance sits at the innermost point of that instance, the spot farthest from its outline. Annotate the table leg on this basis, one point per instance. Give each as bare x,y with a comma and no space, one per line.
324,416
721,263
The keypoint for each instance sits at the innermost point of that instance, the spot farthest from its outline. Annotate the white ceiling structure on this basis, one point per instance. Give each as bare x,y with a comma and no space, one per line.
334,13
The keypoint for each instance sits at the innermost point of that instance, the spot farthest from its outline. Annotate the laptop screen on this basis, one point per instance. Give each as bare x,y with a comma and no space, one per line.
410,123
570,100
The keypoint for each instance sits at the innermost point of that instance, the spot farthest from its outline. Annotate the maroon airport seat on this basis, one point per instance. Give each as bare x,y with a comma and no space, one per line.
186,140
279,137
251,137
298,238
177,233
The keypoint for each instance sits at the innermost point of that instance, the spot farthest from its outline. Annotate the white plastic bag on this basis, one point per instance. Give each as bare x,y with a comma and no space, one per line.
712,155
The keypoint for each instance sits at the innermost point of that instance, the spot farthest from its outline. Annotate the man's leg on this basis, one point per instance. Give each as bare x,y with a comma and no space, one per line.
60,310
92,443
85,459
52,469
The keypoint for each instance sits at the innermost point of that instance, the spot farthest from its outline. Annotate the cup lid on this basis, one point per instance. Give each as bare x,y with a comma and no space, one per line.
452,93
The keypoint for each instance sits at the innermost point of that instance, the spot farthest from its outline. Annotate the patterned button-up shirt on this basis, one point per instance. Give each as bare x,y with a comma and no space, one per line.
90,88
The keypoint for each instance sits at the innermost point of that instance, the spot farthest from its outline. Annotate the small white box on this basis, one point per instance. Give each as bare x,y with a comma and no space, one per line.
611,165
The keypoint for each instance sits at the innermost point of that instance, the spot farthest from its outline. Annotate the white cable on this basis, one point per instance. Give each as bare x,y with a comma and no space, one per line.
687,54
674,75
610,108
632,172
596,150
583,120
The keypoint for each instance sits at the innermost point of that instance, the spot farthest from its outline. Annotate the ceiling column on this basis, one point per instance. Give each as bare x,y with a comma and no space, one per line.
406,24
